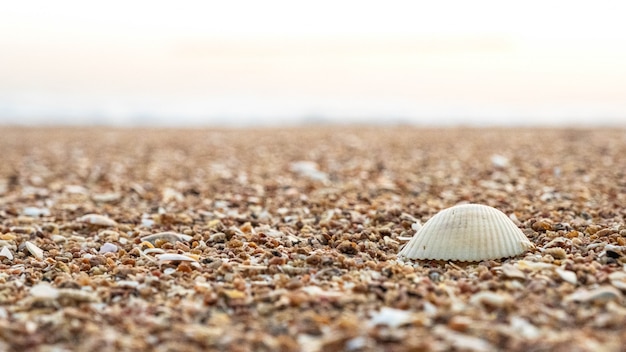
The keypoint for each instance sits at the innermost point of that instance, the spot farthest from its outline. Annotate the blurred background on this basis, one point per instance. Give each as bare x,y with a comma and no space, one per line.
240,63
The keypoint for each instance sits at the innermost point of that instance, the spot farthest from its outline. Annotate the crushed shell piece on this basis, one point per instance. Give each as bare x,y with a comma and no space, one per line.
467,232
394,318
43,290
6,252
175,257
618,280
106,197
511,272
462,341
524,328
108,248
491,299
234,294
35,212
96,219
153,250
599,295
168,236
34,250
534,266
319,292
567,276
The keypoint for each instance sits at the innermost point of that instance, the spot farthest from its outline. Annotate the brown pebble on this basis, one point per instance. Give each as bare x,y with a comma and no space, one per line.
542,225
347,247
313,259
459,323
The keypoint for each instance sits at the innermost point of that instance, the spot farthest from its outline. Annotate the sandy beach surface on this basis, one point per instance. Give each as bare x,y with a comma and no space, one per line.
287,239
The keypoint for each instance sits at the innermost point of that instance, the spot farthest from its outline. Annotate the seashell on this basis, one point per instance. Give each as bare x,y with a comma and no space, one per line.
567,276
96,219
512,272
43,290
491,299
154,250
534,266
34,250
5,252
601,294
467,232
106,197
168,236
175,257
618,280
394,318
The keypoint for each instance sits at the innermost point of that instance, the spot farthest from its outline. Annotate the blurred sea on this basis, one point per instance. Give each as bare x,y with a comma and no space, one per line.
242,112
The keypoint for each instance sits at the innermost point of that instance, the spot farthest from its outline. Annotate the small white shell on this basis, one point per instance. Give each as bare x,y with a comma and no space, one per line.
97,219
34,250
467,232
168,236
108,248
175,257
5,252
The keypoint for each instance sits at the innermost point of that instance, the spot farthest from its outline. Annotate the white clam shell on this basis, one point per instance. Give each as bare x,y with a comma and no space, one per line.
467,232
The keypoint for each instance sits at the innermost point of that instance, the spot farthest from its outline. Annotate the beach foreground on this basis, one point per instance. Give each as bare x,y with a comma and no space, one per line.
286,239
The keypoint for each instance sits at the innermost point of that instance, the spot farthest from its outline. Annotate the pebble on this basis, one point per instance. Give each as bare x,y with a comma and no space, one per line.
108,248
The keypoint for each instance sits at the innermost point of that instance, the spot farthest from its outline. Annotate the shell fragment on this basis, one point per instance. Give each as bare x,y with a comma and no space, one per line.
34,250
98,220
168,236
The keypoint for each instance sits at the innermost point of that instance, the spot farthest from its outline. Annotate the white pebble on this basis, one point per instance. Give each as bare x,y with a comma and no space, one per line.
108,248
43,290
499,161
35,212
391,317
96,219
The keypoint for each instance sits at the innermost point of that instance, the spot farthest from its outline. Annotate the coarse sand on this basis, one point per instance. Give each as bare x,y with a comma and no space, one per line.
287,239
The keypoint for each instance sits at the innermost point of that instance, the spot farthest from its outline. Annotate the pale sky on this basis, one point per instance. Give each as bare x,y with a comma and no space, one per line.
554,62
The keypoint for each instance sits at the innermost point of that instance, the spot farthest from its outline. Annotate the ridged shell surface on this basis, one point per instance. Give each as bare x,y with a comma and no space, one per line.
467,232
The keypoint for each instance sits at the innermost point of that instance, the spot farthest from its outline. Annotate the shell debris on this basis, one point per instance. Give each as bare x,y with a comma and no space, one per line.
97,220
35,212
108,248
491,299
6,252
34,250
277,261
310,170
618,280
394,318
512,272
567,276
168,236
601,294
111,197
175,257
44,290
467,232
